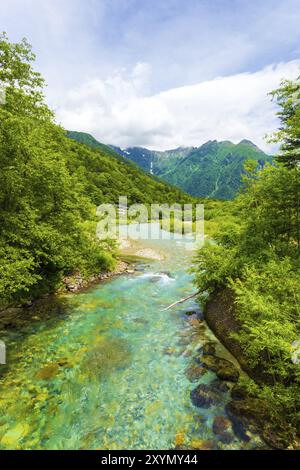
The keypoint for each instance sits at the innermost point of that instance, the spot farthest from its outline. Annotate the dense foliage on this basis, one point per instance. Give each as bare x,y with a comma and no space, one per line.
50,186
44,213
107,175
257,255
288,98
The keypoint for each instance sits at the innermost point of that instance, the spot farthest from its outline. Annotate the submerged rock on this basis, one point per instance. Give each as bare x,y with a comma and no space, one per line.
166,273
194,321
202,444
184,341
140,321
155,278
209,348
240,429
221,428
224,369
205,396
13,436
225,437
211,362
48,372
64,362
161,276
221,424
220,385
180,440
253,414
171,351
106,355
194,372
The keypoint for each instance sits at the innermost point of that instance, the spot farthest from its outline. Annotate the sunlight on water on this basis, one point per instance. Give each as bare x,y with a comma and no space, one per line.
106,369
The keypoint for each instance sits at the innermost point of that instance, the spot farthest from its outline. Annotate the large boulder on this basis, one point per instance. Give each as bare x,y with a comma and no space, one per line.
194,372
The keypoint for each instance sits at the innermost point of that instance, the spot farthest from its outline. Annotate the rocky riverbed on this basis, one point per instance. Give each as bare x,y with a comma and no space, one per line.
107,367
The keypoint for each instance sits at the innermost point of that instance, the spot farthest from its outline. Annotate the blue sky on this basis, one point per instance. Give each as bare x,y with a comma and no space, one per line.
161,73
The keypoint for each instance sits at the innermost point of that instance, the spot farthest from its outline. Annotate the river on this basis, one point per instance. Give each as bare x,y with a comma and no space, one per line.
107,368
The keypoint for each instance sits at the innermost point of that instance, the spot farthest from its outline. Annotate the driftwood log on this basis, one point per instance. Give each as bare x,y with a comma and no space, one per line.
182,300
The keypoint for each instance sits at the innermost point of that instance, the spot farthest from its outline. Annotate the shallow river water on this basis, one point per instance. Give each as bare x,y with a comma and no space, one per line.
106,369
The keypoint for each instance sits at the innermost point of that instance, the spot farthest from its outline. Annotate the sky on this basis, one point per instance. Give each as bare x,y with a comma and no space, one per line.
161,73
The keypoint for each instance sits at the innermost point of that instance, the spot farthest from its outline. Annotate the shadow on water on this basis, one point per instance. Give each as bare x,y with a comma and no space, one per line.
19,323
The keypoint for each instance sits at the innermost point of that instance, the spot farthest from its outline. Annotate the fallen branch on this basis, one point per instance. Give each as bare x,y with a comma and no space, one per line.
182,300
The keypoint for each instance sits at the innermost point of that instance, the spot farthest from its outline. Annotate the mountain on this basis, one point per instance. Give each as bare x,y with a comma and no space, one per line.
106,175
213,170
90,141
154,161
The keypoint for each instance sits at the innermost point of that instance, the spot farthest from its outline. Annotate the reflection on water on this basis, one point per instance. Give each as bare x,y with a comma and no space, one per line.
108,369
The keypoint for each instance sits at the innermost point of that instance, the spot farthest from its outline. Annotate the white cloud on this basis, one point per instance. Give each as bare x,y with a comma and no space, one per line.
118,110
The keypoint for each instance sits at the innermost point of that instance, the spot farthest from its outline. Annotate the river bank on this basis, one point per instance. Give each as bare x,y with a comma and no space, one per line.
220,315
130,252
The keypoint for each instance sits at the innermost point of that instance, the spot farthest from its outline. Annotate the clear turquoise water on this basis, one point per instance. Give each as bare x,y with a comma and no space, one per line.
106,369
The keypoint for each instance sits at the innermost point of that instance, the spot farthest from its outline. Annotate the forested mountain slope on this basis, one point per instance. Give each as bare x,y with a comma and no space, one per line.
213,170
154,161
108,175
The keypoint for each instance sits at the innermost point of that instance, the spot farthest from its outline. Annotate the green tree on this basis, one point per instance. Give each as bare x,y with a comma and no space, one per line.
50,186
258,258
42,204
287,97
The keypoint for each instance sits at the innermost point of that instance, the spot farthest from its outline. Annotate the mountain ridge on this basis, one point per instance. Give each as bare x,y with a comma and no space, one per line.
212,170
108,175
